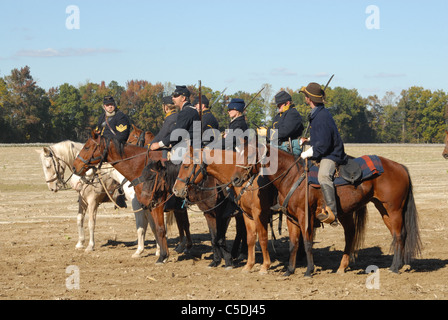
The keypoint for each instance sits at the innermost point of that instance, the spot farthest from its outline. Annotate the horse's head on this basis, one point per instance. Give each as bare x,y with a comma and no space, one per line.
155,185
248,163
54,169
445,151
139,137
90,155
192,172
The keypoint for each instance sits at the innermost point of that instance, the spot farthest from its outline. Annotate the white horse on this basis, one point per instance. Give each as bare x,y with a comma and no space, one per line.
56,158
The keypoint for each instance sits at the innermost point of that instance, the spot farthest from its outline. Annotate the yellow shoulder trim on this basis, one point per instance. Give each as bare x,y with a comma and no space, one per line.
121,128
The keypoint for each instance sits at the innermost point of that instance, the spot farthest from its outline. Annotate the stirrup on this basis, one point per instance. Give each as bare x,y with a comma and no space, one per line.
327,216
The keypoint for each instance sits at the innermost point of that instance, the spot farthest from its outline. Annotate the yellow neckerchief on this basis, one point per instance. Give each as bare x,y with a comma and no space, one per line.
170,113
285,108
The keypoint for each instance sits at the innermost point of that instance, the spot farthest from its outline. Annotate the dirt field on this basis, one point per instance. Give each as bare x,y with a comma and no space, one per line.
38,235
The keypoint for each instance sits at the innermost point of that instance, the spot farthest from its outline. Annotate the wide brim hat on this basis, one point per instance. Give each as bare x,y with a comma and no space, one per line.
315,92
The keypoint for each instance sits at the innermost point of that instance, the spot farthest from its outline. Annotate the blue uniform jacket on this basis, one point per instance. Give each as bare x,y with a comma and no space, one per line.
286,125
116,127
185,119
325,138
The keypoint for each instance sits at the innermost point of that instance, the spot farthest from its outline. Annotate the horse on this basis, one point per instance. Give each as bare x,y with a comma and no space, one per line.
211,199
142,138
391,192
130,161
445,150
139,137
91,193
254,200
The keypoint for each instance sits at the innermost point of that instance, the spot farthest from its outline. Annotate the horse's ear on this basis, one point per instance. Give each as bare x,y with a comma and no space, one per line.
47,152
159,165
93,134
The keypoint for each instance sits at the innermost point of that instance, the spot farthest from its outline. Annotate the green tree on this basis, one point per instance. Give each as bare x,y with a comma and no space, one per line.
26,107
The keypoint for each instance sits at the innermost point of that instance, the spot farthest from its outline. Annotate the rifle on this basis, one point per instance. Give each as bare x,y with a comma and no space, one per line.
247,105
217,99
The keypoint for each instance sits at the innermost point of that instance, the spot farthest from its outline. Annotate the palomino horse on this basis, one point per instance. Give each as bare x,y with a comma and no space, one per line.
141,138
130,161
445,150
391,193
55,159
253,200
211,200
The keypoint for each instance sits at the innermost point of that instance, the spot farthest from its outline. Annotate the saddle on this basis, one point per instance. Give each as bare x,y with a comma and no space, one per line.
353,172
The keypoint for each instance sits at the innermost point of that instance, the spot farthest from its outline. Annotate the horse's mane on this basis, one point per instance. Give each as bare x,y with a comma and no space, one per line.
67,150
168,172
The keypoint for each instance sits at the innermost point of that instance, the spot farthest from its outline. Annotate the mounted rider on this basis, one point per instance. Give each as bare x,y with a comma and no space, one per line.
287,125
209,121
326,148
113,123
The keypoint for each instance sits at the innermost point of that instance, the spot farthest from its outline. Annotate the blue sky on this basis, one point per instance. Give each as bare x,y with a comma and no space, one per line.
236,44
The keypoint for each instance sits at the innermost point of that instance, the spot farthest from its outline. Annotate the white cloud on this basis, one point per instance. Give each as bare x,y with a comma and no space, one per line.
283,72
383,75
66,52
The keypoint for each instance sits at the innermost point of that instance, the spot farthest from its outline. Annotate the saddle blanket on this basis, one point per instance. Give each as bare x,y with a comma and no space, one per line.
370,166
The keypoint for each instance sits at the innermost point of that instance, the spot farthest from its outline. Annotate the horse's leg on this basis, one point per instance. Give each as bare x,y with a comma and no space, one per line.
152,224
393,220
141,222
222,223
294,234
307,236
82,207
183,224
349,234
217,257
160,233
251,239
92,207
240,239
262,220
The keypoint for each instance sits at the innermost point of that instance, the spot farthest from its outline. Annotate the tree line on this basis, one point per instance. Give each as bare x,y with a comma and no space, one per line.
31,114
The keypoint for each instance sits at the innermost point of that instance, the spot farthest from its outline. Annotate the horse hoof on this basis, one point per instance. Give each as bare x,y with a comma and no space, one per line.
229,268
89,249
263,272
213,264
137,255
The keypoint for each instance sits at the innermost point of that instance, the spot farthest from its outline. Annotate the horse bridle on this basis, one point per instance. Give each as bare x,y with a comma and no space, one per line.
88,163
57,168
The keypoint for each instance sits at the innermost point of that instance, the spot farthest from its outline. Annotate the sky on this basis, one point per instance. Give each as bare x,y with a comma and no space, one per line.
239,45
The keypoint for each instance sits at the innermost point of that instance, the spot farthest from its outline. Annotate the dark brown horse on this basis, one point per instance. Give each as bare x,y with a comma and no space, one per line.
391,193
141,138
211,199
445,151
130,161
255,201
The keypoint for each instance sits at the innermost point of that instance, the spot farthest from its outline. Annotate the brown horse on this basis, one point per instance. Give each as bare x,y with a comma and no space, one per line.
141,138
391,193
254,200
211,199
130,161
445,151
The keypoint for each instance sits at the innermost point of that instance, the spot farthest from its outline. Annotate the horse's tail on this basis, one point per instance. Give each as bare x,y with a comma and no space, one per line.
410,233
360,220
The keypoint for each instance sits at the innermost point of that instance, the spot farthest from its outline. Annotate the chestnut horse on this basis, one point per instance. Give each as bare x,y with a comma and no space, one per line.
142,138
391,193
445,151
255,201
130,161
139,137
